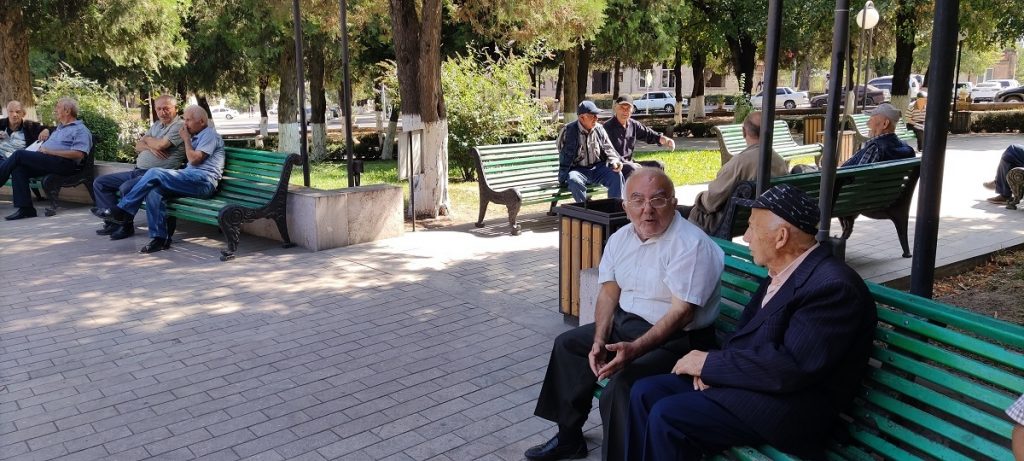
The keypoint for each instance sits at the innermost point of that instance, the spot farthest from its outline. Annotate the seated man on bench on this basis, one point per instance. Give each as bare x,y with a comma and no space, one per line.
586,156
795,360
660,285
708,209
884,145
624,132
1013,157
61,153
204,151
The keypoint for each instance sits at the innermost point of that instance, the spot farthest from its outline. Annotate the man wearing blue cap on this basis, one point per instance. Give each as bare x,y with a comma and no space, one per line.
794,362
586,156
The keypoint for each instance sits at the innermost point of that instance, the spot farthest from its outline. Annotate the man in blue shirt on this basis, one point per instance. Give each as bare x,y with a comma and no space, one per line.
204,153
61,153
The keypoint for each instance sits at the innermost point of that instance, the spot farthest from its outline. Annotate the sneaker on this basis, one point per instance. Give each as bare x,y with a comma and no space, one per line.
991,185
998,200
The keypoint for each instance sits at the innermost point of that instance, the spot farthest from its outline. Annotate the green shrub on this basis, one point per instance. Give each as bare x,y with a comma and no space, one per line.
998,122
696,129
111,125
488,101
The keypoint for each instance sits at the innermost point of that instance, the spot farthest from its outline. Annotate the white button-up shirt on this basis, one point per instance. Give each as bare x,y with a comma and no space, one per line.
683,262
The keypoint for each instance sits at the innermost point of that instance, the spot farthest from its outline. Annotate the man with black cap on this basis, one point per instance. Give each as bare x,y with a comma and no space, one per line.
586,156
793,363
624,131
884,145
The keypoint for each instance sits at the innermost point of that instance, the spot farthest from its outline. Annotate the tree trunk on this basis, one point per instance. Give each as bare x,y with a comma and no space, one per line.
559,82
15,81
417,41
615,79
906,26
144,101
264,82
287,102
677,73
388,144
317,100
744,58
699,60
805,75
182,96
570,88
583,71
202,102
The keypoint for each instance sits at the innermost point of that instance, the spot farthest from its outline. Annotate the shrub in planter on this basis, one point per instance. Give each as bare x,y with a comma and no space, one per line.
998,122
98,109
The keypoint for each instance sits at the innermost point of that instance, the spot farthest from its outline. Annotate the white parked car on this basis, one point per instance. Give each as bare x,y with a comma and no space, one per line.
655,101
885,83
985,91
784,97
223,112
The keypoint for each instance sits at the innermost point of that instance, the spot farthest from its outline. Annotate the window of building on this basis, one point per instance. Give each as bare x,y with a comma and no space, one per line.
668,78
645,76
620,76
716,81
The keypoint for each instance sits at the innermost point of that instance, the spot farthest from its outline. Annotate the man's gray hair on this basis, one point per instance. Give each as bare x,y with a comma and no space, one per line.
198,112
752,124
70,104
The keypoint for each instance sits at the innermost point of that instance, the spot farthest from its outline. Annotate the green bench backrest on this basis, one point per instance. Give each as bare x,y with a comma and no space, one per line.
730,138
251,177
939,377
860,123
519,165
862,188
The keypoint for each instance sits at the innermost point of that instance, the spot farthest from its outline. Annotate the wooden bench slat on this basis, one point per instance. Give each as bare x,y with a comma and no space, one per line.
878,444
948,337
974,368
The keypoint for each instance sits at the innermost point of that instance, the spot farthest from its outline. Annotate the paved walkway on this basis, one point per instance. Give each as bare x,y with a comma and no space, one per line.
428,346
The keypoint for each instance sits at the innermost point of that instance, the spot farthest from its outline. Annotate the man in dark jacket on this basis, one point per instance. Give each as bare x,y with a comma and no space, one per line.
586,156
884,145
793,364
18,133
624,132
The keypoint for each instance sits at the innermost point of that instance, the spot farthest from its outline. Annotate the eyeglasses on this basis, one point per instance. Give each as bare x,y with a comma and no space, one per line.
639,203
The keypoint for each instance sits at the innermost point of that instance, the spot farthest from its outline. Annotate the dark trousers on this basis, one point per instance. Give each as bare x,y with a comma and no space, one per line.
108,186
568,389
669,420
24,165
1013,157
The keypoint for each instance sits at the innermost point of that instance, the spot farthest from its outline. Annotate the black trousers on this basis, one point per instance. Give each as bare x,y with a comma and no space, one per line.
568,389
24,165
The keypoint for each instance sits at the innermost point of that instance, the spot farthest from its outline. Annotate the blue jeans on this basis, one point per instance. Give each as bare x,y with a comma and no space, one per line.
581,176
158,183
1013,157
108,186
668,419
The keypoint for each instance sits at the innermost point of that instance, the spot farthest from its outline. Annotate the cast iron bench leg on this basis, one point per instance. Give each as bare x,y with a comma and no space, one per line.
282,227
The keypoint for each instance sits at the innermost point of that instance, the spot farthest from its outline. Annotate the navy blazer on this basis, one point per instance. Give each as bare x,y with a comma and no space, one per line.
791,367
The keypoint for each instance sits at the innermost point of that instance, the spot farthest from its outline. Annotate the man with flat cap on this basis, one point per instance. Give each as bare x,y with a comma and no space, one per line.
624,132
794,362
884,145
586,156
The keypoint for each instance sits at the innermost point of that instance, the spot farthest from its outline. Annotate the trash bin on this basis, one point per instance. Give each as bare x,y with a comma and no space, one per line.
813,124
961,122
847,145
583,230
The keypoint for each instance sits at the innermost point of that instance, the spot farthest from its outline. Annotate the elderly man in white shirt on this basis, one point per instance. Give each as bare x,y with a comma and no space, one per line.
660,287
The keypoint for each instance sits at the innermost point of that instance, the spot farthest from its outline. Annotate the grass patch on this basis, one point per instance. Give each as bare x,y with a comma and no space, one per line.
683,166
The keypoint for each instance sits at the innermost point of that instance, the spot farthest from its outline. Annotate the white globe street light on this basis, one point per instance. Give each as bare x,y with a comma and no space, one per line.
868,17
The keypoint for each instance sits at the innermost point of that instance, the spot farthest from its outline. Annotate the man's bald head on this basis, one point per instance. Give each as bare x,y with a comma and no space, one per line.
656,176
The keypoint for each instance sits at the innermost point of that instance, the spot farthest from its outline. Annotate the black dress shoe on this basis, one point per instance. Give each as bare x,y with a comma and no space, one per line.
123,232
114,215
22,213
156,245
553,450
108,228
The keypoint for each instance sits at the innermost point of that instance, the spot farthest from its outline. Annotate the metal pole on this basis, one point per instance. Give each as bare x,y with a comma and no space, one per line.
346,97
771,82
956,77
860,54
303,152
840,37
926,232
867,65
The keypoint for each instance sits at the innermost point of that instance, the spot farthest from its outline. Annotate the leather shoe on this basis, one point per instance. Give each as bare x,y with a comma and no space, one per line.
108,228
989,185
22,213
998,200
155,245
553,450
123,232
114,215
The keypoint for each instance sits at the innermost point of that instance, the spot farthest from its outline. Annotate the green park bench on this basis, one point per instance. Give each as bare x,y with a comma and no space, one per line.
938,379
519,174
52,183
859,124
731,142
879,191
254,185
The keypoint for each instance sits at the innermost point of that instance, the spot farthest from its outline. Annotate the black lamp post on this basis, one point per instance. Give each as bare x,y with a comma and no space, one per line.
867,19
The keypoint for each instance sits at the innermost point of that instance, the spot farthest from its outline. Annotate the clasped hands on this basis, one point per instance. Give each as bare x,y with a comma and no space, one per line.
691,364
